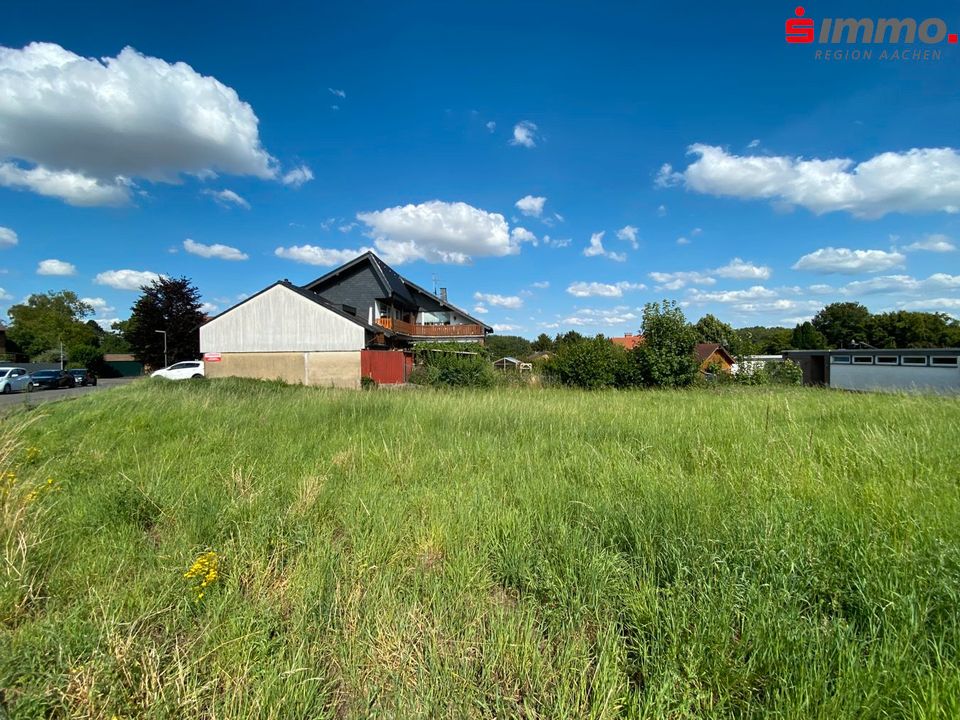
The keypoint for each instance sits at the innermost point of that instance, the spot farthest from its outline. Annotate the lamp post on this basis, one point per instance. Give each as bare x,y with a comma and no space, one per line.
164,333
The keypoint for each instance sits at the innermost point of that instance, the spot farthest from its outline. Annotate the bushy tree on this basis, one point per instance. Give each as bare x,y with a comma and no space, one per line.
543,343
807,337
843,324
666,358
905,329
499,346
450,364
765,340
710,329
168,304
592,363
46,320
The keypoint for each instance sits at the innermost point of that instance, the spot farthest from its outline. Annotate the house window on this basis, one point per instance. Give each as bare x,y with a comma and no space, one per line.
914,360
863,359
840,360
943,361
886,359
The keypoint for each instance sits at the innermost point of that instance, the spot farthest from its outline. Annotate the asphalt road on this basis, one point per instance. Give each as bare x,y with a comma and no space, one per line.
38,397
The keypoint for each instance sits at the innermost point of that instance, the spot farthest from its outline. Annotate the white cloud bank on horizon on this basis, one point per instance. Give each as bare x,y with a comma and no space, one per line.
913,181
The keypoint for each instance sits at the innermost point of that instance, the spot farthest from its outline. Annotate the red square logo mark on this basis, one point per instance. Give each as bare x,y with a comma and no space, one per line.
952,38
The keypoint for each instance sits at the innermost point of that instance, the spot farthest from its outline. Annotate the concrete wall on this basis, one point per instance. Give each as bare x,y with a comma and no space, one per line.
278,321
327,369
895,378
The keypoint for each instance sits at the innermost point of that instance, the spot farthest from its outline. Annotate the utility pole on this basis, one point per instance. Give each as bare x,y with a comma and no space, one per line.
164,333
61,352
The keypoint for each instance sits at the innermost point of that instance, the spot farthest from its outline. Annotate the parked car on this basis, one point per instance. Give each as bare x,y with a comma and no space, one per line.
51,380
13,379
184,370
83,376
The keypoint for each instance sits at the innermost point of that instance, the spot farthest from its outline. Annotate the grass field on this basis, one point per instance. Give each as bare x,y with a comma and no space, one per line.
538,554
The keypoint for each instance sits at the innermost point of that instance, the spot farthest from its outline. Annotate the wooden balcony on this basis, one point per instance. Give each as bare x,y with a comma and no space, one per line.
431,331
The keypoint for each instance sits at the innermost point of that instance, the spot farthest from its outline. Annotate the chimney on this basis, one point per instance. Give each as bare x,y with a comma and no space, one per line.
443,294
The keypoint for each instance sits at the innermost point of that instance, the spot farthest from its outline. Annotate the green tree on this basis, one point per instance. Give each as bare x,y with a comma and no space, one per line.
171,305
543,343
592,363
46,320
904,329
666,358
499,346
807,337
86,356
843,324
765,340
710,329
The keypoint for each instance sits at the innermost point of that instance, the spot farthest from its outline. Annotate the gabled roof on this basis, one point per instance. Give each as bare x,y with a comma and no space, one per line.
705,350
393,283
312,297
627,341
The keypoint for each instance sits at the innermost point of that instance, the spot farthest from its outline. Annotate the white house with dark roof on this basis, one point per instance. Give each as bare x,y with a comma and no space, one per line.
327,331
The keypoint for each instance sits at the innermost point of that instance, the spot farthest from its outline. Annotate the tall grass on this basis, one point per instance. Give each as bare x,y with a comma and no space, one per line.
521,553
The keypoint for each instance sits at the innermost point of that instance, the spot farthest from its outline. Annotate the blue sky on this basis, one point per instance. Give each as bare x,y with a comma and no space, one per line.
488,145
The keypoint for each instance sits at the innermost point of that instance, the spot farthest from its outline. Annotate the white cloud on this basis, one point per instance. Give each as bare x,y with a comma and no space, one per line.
208,308
313,255
682,241
917,180
844,260
542,285
662,210
298,176
530,205
738,269
628,233
591,317
522,235
56,267
126,279
757,292
932,304
227,198
524,134
99,305
491,126
596,249
81,129
221,252
597,289
505,301
8,238
439,232
753,143
556,242
338,93
4,295
480,310
72,187
677,280
892,284
932,243
505,327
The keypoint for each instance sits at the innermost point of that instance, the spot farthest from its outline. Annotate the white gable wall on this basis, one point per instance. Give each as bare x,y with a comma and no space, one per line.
280,320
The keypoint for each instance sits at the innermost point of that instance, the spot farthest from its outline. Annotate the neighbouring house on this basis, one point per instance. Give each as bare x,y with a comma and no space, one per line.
511,363
935,370
359,320
628,341
714,354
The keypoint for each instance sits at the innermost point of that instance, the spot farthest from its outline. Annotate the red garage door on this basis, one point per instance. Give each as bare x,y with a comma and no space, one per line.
387,367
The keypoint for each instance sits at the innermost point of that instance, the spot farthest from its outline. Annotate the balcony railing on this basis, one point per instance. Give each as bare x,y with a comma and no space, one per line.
414,330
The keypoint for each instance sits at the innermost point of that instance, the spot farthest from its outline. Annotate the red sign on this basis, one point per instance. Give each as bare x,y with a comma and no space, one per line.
212,357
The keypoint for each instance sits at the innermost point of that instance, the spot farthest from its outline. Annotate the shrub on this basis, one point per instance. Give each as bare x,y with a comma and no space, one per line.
452,365
786,372
665,358
592,363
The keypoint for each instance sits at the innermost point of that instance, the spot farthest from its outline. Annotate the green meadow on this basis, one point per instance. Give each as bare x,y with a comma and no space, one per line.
515,553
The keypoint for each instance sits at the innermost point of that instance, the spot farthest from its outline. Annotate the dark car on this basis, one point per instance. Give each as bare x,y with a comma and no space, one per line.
83,376
51,380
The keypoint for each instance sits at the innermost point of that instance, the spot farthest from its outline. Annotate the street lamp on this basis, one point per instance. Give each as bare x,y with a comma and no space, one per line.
164,333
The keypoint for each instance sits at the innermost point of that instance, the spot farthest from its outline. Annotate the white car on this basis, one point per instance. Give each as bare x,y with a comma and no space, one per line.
13,379
185,370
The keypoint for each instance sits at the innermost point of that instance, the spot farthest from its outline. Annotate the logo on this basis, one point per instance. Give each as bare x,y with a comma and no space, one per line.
870,31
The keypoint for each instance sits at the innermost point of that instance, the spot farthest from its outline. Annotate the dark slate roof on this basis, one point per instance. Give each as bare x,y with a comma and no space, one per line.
393,282
312,297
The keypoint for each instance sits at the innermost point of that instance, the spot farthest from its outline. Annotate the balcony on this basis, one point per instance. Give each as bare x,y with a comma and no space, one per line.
430,331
